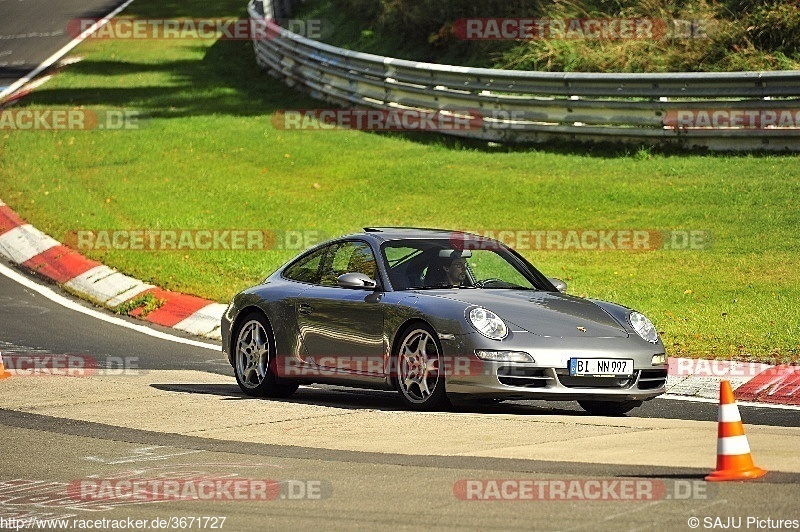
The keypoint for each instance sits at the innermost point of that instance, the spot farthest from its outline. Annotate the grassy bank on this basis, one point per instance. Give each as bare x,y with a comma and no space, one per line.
690,35
209,158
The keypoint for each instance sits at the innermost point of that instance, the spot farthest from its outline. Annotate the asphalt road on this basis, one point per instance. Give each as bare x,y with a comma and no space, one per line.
32,323
337,491
32,30
46,458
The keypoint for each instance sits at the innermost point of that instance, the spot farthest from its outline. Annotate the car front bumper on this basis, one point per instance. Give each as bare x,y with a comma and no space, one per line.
548,376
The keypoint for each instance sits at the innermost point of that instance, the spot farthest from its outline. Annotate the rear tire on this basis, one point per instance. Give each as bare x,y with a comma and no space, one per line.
419,369
254,360
609,408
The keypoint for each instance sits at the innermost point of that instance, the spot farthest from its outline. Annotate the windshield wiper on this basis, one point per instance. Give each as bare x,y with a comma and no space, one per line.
441,287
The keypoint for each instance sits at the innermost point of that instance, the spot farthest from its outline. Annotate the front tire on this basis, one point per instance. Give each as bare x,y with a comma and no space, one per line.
609,408
254,360
419,367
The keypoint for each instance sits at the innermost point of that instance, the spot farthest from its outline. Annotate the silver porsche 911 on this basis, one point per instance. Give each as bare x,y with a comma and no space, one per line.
437,315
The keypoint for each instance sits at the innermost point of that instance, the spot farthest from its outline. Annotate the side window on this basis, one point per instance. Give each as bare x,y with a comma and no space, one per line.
349,257
306,269
400,260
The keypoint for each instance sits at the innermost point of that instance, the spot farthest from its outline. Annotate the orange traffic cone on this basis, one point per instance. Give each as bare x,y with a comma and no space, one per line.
733,452
3,373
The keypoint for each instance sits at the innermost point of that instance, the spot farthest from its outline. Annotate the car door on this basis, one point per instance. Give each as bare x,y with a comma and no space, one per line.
342,328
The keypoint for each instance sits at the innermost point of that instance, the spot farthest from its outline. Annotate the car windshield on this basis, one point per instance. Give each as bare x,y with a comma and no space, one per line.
429,264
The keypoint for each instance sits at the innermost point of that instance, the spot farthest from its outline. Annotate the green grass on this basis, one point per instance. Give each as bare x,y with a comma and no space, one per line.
210,158
142,305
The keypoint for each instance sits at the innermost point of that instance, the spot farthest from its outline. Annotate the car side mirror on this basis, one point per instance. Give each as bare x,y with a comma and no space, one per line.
356,280
560,285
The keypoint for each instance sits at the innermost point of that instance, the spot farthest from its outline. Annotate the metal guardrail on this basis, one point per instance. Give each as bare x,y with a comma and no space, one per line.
684,109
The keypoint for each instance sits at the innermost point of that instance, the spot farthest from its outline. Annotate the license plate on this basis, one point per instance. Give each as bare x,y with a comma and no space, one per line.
600,366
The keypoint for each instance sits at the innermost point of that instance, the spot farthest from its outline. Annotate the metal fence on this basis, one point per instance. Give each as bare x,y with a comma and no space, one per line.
719,111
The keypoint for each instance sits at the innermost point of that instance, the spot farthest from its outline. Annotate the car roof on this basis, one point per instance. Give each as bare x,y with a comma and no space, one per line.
402,233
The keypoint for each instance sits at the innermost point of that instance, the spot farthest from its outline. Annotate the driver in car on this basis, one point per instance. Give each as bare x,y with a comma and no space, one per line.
450,269
456,271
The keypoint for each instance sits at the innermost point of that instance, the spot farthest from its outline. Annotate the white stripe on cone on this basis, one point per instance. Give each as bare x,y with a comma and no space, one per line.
733,445
729,413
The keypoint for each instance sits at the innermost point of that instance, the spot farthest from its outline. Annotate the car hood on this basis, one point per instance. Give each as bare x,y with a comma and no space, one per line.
541,313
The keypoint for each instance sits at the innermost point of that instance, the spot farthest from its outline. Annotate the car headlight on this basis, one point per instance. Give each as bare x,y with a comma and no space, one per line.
487,323
643,327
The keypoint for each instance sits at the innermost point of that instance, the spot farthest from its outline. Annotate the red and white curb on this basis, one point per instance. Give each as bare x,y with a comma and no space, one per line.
751,381
23,244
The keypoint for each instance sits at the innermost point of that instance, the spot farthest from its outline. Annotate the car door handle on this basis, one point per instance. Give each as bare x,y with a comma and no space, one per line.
304,308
